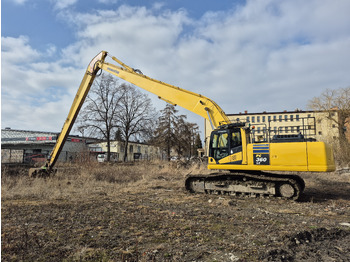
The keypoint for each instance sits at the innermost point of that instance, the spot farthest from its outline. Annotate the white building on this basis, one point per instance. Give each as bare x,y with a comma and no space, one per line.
136,150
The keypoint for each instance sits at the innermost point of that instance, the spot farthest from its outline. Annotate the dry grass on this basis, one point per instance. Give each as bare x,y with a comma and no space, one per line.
90,180
341,154
77,181
141,212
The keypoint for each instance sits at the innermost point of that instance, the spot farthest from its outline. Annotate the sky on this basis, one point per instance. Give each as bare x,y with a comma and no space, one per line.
254,55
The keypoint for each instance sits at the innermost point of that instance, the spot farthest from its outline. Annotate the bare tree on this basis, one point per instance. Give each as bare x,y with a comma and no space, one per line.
135,116
336,103
194,137
116,111
97,117
185,136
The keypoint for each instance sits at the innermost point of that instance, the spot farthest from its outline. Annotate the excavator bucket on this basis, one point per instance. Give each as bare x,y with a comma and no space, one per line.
39,172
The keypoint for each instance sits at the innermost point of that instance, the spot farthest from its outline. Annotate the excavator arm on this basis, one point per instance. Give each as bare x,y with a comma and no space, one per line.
193,102
78,101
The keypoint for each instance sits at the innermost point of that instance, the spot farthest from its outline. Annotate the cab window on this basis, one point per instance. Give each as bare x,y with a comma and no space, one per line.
220,145
236,139
236,142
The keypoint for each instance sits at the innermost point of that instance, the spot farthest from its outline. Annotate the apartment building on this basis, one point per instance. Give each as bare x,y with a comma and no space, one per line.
312,125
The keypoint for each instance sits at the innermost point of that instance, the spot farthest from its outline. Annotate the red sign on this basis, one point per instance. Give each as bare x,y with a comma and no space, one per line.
39,138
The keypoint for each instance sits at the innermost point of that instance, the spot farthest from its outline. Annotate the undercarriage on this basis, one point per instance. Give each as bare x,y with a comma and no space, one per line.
252,184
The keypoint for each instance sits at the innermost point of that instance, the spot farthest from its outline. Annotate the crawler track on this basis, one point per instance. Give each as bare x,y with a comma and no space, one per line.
257,184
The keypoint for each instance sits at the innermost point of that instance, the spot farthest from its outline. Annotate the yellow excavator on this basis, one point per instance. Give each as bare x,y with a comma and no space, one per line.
244,164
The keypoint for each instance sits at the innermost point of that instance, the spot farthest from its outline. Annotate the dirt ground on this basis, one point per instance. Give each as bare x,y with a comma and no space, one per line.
153,218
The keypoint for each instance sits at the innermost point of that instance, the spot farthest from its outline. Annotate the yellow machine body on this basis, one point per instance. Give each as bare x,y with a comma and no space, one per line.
290,156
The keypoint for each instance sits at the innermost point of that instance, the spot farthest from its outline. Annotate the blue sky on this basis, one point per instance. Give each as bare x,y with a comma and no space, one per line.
41,20
255,55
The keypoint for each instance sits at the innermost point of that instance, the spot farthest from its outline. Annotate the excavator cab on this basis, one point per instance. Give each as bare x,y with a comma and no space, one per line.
227,143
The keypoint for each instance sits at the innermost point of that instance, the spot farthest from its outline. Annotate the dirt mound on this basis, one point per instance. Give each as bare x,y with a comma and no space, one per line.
316,245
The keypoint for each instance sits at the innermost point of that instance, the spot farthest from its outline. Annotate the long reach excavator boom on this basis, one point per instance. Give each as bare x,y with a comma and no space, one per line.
196,103
234,148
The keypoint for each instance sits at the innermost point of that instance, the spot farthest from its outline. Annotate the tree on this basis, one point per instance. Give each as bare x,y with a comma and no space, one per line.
185,136
113,111
331,101
135,116
182,136
118,135
165,132
173,132
97,116
198,142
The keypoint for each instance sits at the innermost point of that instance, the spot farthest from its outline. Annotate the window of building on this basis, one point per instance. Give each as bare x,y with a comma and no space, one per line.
297,117
309,115
253,119
247,118
275,129
291,117
263,118
258,129
280,118
131,149
274,118
286,129
292,129
298,129
269,118
285,118
258,119
138,149
237,119
122,148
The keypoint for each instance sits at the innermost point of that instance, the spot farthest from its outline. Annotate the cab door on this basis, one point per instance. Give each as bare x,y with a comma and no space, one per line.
219,145
226,147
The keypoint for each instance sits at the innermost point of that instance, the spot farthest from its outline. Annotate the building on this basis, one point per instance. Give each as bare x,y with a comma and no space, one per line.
265,125
136,151
22,146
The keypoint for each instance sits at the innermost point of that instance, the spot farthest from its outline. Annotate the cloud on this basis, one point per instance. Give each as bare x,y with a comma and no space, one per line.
31,89
18,2
108,1
266,55
17,50
63,4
